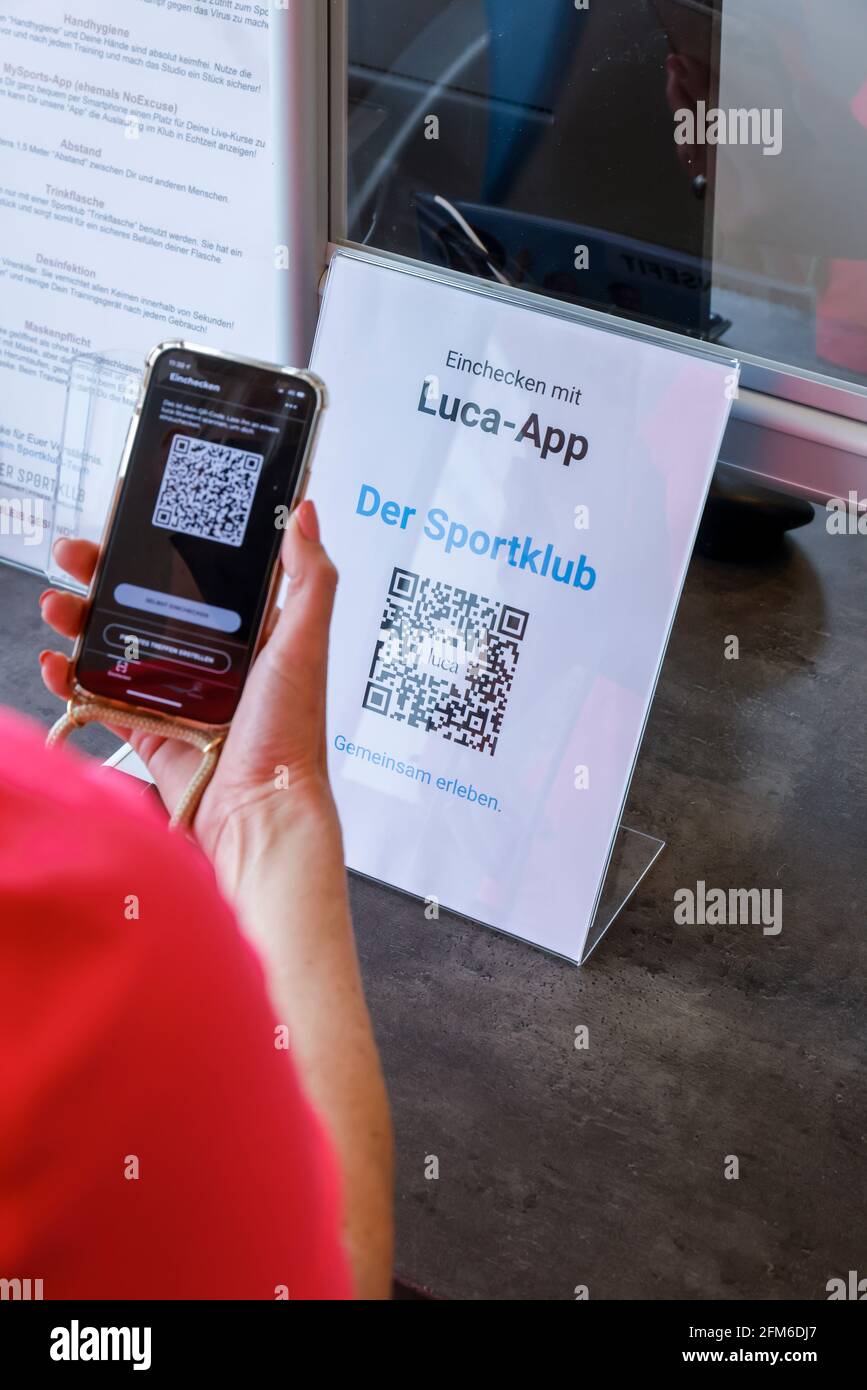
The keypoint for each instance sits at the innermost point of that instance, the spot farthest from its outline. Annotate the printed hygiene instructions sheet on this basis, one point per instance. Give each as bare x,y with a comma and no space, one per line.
136,205
511,499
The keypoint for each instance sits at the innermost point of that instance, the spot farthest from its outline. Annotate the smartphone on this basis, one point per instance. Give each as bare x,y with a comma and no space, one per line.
217,456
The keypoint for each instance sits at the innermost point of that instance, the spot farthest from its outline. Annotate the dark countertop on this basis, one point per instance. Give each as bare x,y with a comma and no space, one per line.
605,1167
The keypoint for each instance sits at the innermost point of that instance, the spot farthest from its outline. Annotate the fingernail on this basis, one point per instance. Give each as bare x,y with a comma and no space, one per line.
43,657
46,594
308,521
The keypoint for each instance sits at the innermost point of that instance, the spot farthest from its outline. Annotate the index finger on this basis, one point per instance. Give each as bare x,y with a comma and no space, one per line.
78,558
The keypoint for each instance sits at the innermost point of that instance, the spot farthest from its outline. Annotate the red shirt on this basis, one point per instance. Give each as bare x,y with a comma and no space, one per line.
154,1142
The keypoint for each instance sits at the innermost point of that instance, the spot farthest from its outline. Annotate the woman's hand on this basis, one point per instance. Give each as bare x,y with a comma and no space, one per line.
274,755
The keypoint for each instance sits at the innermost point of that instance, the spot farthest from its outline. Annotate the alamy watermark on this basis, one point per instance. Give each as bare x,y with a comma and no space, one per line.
21,1290
23,516
847,516
738,126
77,1343
719,907
852,1288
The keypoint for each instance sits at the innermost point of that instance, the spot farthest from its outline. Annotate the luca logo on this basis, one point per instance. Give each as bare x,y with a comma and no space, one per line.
76,1343
852,1288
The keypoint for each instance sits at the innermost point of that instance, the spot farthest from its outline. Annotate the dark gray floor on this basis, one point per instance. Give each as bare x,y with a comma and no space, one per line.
605,1167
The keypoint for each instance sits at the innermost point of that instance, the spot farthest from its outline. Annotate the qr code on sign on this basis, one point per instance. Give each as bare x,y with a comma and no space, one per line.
445,660
207,490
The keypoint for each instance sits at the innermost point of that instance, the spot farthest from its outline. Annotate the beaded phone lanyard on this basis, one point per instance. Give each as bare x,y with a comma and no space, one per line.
81,710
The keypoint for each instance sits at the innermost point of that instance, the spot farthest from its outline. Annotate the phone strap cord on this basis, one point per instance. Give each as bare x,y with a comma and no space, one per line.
80,712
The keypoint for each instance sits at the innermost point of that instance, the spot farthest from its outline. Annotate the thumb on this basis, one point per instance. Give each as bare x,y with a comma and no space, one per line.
301,630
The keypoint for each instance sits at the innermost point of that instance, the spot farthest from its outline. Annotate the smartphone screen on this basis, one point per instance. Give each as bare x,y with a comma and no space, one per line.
215,464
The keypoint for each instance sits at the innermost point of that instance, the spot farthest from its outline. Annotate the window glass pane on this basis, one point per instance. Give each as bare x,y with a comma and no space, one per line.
700,165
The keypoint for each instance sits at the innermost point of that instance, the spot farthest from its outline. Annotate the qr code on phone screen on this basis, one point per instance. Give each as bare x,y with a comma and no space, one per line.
207,490
445,660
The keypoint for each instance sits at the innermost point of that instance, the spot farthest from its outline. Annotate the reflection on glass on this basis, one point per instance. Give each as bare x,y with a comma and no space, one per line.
790,244
694,164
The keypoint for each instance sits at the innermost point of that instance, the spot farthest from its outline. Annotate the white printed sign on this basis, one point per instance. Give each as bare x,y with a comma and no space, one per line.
511,499
137,204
